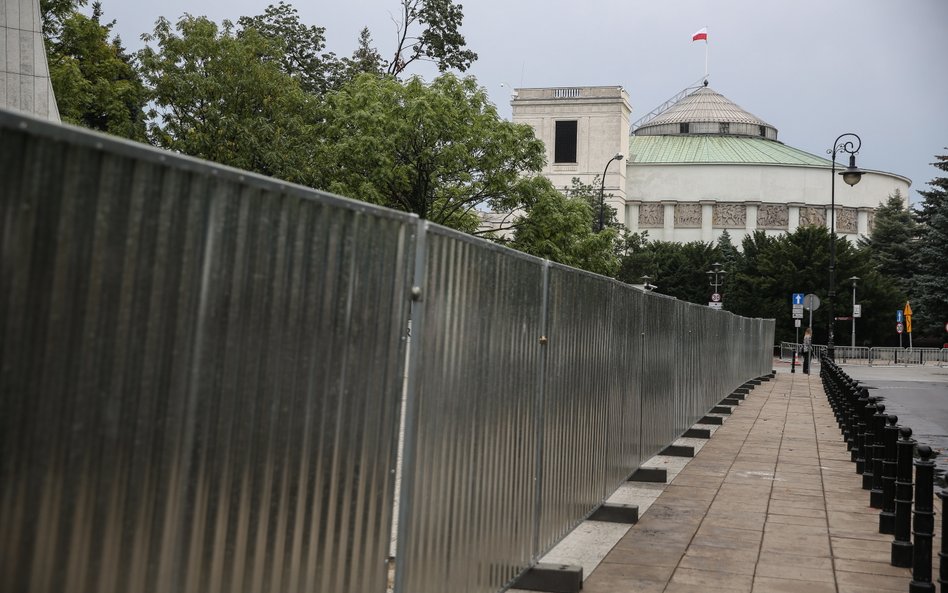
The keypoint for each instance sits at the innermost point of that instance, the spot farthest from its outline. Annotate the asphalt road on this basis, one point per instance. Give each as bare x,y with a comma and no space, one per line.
918,396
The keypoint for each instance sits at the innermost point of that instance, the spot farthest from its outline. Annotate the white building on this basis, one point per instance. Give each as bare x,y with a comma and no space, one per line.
699,167
24,74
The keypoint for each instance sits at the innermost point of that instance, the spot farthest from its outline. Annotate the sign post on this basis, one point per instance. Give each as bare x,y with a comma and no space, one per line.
899,318
796,304
908,321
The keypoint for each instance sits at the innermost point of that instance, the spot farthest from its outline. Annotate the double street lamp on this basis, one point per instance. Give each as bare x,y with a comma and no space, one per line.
602,188
851,175
716,279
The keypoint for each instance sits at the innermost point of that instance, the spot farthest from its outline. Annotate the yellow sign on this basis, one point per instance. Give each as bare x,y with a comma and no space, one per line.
908,309
908,317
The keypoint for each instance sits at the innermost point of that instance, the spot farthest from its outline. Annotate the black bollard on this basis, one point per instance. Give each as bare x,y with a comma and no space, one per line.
859,428
868,444
924,524
943,554
902,545
890,436
849,402
878,456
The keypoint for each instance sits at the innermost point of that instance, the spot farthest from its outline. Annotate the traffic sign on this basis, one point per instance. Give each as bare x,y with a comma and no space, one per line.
797,313
898,328
811,302
716,297
716,305
796,323
797,298
898,316
857,310
908,317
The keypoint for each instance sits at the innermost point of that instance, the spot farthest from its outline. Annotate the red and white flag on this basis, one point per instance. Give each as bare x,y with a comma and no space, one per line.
701,35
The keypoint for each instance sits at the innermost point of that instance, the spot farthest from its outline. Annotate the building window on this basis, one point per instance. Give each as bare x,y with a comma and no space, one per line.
724,128
565,142
763,131
683,128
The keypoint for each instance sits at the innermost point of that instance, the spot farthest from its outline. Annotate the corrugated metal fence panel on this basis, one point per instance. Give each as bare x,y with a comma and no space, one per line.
200,374
660,402
581,392
472,501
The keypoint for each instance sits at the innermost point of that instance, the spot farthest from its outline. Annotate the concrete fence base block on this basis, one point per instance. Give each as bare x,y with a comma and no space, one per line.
697,433
678,451
627,514
731,401
555,578
738,396
711,420
721,410
658,475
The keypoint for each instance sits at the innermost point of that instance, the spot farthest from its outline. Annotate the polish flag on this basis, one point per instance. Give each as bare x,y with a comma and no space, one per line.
702,34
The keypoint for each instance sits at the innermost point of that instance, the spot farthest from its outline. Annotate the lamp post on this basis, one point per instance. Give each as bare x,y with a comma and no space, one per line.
716,279
602,187
646,285
853,280
851,176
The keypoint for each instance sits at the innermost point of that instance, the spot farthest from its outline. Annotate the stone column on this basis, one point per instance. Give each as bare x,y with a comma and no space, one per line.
707,217
632,216
751,225
862,221
24,73
668,229
793,222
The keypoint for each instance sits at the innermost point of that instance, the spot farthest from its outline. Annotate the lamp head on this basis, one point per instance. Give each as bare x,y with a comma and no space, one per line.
619,156
852,174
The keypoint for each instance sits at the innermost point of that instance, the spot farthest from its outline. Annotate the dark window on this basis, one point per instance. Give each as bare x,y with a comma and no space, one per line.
565,142
683,128
763,131
725,128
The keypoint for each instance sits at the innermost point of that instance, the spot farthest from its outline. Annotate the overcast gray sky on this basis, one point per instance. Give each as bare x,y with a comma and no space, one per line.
812,68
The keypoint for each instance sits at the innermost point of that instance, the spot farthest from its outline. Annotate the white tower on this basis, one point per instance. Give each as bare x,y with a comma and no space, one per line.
24,72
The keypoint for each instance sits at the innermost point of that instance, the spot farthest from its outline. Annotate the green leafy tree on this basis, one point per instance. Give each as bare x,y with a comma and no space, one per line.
439,150
891,241
95,81
930,291
429,30
54,12
366,59
298,49
560,228
225,97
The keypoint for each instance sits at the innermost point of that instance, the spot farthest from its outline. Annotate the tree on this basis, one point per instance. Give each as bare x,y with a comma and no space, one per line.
429,30
437,150
891,241
297,48
224,97
931,280
365,59
95,81
54,12
560,228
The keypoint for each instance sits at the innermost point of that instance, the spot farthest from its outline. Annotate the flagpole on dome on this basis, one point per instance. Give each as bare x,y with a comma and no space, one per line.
702,35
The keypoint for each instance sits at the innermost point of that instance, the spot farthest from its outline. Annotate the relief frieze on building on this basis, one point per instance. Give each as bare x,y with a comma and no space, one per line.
687,216
729,216
651,215
773,216
846,220
810,216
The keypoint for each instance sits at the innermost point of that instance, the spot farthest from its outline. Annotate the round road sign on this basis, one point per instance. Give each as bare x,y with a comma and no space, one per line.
898,328
716,297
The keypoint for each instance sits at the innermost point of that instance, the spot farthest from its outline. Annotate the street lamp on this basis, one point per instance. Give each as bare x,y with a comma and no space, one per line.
851,176
853,280
602,187
716,279
646,285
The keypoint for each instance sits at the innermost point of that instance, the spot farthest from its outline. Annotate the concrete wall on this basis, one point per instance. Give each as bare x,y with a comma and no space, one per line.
24,73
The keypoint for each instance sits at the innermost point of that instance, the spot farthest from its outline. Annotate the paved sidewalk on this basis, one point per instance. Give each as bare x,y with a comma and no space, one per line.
772,503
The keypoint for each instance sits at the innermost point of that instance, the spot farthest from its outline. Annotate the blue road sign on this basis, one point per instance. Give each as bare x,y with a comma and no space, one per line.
798,298
898,316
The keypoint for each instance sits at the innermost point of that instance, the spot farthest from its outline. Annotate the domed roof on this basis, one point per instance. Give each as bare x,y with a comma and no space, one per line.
706,111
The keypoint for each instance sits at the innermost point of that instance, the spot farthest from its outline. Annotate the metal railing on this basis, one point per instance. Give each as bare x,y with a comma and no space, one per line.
202,383
879,356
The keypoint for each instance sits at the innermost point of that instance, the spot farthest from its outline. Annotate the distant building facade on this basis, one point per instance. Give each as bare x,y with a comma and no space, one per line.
24,74
700,167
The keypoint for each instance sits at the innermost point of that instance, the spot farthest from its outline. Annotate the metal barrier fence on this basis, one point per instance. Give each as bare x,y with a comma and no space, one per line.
201,374
875,356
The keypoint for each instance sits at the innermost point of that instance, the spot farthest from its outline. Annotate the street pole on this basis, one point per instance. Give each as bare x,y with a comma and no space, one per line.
851,176
602,189
854,279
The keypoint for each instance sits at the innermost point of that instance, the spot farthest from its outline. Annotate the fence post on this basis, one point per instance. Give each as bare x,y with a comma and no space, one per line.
875,494
868,444
943,554
890,437
924,524
902,545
